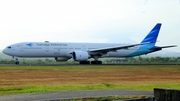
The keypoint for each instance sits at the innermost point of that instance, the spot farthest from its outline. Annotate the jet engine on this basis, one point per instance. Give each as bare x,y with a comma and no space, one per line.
80,55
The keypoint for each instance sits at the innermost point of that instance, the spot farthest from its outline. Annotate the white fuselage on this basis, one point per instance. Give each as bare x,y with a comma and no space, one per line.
55,49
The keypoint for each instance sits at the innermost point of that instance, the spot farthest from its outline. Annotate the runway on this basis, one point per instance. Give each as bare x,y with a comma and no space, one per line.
84,64
56,96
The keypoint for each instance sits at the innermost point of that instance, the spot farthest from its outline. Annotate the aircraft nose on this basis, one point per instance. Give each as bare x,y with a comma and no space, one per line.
4,51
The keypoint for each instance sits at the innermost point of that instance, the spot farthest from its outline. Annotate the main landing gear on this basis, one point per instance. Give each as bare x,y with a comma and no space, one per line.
92,62
84,62
96,61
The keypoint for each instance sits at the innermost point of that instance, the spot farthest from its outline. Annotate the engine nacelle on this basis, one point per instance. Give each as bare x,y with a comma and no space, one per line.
80,55
61,59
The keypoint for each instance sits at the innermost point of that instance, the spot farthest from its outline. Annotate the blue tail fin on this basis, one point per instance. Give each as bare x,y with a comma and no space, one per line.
152,35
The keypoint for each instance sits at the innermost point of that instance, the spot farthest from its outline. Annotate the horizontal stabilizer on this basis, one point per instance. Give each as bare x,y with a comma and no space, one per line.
156,48
169,46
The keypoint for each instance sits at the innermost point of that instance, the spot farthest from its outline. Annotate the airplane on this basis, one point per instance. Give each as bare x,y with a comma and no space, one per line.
82,52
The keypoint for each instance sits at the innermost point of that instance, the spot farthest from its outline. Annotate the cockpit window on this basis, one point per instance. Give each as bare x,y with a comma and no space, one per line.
9,47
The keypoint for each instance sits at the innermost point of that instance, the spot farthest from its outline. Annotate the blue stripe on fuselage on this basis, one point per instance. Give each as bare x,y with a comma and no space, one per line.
139,52
143,49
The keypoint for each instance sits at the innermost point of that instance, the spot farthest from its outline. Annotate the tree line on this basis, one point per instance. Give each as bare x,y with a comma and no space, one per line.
146,60
131,60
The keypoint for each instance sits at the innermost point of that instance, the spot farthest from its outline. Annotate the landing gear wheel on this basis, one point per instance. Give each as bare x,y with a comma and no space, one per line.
99,62
16,59
96,62
84,62
17,62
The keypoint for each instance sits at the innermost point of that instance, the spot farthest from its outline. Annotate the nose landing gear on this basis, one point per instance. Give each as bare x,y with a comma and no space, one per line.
17,62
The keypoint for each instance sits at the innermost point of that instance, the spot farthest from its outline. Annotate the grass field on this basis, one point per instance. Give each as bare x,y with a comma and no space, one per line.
30,79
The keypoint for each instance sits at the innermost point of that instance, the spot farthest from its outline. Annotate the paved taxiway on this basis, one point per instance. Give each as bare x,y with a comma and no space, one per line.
55,96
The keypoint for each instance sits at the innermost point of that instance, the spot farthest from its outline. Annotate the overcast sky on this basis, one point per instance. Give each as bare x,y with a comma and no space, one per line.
115,21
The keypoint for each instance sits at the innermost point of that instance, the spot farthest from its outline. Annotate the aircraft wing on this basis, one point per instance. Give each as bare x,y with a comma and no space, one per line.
113,49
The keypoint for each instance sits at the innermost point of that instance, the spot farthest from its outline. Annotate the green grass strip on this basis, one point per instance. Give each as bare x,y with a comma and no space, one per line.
104,86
